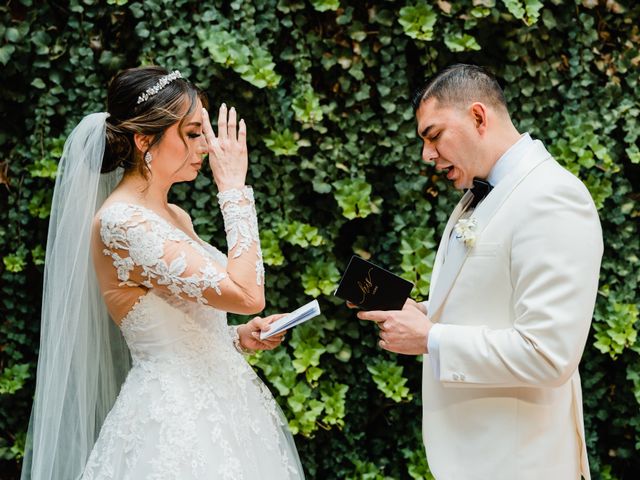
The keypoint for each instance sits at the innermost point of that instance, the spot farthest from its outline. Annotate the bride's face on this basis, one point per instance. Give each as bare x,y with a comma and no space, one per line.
178,156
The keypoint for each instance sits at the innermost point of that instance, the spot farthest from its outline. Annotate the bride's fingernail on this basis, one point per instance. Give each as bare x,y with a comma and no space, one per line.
254,334
224,105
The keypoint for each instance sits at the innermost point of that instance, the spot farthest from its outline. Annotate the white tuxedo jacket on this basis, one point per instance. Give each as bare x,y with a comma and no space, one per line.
516,310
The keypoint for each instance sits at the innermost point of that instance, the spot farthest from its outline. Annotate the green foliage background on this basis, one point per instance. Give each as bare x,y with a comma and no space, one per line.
324,86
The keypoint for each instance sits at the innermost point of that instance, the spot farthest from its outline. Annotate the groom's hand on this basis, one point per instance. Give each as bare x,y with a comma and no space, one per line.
412,303
402,331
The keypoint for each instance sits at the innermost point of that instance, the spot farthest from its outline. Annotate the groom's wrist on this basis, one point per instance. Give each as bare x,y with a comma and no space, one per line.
423,307
433,338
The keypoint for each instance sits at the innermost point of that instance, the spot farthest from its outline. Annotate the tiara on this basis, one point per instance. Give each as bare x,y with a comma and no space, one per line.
163,82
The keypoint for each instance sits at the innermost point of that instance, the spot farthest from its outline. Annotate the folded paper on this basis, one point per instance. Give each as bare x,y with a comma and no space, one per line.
301,315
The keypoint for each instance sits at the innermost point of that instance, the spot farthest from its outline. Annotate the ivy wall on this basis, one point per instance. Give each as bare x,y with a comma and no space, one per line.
324,86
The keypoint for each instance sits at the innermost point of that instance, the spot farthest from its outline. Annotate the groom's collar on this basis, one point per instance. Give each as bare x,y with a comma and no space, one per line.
506,163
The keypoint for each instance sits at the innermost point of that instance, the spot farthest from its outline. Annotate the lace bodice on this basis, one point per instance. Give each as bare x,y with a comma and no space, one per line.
174,272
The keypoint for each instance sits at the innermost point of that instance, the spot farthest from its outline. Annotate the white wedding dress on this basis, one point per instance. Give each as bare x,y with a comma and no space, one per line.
191,406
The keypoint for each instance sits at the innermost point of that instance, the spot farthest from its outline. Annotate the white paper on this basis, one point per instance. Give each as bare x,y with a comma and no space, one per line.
301,315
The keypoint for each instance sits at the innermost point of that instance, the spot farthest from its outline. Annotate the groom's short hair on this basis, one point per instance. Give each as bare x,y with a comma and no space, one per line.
462,84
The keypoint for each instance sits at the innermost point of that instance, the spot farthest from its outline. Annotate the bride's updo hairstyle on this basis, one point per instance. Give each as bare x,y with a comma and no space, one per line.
174,102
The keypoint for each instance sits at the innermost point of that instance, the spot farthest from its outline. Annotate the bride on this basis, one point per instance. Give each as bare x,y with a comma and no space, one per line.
189,406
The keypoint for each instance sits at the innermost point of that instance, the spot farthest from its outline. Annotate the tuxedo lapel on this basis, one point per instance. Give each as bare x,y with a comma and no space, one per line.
446,273
444,240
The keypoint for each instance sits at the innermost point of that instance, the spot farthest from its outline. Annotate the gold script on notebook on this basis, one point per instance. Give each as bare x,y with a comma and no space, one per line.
367,287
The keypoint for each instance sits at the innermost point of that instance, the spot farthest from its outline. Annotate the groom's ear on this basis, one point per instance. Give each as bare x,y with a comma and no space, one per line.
479,115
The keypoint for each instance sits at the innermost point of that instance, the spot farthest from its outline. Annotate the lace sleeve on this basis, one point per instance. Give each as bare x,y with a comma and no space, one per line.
148,251
241,225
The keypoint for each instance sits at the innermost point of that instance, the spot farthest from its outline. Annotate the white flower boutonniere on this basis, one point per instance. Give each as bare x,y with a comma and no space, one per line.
465,231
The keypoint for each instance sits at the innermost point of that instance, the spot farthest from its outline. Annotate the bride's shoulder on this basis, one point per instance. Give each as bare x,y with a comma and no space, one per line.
109,207
116,211
116,216
181,214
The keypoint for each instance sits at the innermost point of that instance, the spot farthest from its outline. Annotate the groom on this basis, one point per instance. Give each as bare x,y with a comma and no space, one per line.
512,295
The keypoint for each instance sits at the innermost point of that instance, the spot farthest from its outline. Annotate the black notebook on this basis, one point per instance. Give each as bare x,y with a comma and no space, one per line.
371,287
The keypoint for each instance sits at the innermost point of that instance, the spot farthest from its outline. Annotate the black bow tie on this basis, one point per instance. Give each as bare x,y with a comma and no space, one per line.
480,190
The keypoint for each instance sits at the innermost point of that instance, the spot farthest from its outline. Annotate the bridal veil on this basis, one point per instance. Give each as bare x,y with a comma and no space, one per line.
83,358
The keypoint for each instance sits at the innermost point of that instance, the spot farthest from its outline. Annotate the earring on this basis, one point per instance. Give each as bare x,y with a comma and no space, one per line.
148,158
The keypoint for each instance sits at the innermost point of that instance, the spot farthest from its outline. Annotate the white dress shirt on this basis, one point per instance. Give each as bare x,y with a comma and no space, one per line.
502,167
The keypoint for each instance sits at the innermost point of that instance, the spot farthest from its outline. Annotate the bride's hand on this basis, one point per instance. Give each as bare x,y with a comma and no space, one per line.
249,333
228,155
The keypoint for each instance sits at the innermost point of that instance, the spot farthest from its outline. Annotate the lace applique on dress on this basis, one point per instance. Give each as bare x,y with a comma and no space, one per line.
143,234
241,224
191,408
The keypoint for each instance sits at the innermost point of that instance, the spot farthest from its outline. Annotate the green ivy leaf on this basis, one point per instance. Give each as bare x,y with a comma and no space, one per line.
38,83
324,5
271,253
306,410
307,108
333,397
418,250
418,467
354,198
387,375
619,329
38,254
255,64
285,143
300,234
418,21
16,262
13,378
5,53
634,154
44,168
525,10
461,42
320,278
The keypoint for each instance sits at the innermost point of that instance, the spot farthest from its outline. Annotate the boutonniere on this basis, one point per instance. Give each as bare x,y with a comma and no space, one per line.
465,231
